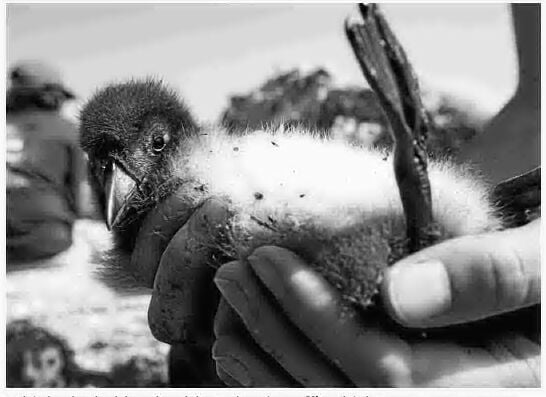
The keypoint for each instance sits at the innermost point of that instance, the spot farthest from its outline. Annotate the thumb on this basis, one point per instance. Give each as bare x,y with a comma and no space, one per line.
466,278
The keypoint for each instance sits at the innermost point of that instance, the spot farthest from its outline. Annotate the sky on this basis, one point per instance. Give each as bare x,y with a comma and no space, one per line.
210,51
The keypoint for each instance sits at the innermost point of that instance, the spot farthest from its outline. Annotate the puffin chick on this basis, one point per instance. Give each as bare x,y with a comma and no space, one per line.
335,205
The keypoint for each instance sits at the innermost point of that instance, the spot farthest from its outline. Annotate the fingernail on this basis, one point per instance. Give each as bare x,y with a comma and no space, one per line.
230,290
270,263
236,370
418,291
233,293
264,267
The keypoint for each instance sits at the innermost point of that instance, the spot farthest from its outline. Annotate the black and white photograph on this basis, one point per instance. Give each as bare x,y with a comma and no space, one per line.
272,195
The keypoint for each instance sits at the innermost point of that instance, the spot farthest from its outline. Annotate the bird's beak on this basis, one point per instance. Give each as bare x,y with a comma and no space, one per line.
118,188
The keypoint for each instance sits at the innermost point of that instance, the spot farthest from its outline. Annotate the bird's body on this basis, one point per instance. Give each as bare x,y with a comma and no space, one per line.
334,204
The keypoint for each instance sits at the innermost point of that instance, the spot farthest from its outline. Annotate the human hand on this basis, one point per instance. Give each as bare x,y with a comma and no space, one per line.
466,278
173,255
303,337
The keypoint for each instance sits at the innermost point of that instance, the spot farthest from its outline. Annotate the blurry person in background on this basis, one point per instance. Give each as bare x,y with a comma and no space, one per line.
45,166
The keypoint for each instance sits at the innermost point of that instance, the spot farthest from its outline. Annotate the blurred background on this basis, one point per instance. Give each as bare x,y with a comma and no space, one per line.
209,52
244,66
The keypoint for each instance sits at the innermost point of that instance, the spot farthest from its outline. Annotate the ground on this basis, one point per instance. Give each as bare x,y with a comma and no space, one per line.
63,295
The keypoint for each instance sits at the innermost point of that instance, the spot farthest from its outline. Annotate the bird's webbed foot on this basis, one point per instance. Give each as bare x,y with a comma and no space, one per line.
390,74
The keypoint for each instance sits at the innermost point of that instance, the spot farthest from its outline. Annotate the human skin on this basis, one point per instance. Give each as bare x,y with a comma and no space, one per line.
280,324
457,281
365,352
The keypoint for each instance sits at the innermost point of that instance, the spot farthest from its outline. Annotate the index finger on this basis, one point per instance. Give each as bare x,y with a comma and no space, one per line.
368,355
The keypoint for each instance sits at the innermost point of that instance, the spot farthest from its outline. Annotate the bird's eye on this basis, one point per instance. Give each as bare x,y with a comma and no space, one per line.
159,142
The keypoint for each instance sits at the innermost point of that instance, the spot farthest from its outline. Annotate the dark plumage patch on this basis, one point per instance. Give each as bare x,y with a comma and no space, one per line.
113,115
138,126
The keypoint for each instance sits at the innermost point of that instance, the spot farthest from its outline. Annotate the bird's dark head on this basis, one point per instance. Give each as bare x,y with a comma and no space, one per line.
130,131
